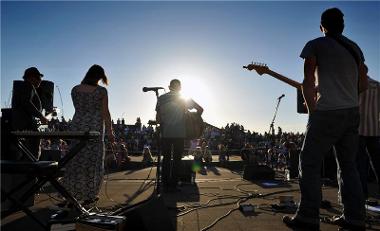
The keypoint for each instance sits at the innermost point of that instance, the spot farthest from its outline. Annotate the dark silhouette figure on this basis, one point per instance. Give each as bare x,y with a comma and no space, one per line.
333,121
369,133
171,109
84,173
27,108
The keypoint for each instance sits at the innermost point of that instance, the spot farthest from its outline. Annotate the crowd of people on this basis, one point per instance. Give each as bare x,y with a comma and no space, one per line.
136,139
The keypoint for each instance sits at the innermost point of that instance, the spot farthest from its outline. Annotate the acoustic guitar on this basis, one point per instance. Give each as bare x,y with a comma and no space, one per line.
261,69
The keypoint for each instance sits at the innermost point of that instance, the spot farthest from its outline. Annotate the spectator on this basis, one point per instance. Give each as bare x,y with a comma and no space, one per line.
203,154
222,152
147,156
122,157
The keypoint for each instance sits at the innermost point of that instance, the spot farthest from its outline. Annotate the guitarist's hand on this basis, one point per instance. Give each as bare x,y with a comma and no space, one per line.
314,99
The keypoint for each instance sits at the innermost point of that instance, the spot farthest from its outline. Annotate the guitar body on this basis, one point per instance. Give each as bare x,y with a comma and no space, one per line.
194,125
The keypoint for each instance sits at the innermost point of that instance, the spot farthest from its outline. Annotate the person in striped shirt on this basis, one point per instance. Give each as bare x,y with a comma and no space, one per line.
369,133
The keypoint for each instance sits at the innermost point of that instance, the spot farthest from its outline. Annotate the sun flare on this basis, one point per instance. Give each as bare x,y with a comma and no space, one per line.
197,89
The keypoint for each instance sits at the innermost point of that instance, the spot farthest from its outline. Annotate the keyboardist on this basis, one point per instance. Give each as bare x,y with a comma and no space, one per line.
27,109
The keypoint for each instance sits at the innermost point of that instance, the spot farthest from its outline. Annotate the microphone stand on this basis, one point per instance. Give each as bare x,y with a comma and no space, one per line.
157,189
271,126
158,171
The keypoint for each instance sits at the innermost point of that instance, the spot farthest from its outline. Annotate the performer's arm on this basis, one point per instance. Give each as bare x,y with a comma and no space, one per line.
27,102
308,86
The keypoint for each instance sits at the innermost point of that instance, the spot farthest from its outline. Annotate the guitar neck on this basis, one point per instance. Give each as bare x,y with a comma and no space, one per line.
284,79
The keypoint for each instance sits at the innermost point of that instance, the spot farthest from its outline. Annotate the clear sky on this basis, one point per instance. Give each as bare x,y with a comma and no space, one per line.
204,44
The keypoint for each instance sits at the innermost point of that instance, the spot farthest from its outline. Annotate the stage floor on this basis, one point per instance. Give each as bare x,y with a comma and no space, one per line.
215,192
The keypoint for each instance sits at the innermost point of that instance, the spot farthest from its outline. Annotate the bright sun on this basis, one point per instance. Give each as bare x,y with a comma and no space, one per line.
195,88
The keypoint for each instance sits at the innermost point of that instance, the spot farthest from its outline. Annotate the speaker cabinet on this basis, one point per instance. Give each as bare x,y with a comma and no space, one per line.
186,173
46,94
258,172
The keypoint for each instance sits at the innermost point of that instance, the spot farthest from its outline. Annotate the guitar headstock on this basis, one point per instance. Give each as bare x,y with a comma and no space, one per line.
260,68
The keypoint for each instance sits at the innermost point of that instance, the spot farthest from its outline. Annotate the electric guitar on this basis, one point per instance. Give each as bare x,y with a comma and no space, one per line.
264,69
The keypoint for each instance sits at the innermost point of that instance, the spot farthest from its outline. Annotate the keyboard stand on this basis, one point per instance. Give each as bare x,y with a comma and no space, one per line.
44,171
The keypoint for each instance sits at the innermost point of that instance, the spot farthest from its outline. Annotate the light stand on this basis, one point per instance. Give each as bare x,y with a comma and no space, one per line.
271,126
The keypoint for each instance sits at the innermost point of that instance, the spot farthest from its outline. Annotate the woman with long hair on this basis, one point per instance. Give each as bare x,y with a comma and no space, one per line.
84,173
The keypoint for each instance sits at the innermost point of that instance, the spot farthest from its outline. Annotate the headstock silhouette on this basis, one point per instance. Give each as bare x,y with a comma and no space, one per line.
260,68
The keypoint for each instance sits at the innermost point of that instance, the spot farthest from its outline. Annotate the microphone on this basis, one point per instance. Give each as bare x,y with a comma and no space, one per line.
282,96
145,89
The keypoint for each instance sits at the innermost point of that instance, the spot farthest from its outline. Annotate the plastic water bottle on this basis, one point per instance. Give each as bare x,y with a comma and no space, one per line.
287,175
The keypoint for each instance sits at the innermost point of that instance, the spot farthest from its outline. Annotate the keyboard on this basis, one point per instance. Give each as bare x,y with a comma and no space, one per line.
58,134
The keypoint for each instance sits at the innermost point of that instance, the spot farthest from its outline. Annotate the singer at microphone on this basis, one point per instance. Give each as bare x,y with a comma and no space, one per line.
282,96
145,89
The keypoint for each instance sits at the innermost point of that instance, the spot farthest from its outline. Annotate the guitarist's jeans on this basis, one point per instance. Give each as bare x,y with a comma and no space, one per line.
170,169
326,129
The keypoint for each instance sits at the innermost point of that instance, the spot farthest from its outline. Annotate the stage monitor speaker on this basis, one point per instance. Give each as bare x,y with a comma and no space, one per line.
186,173
301,107
46,94
258,172
151,215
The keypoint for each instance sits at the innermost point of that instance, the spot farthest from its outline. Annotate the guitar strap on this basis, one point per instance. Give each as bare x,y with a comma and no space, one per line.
351,50
348,47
